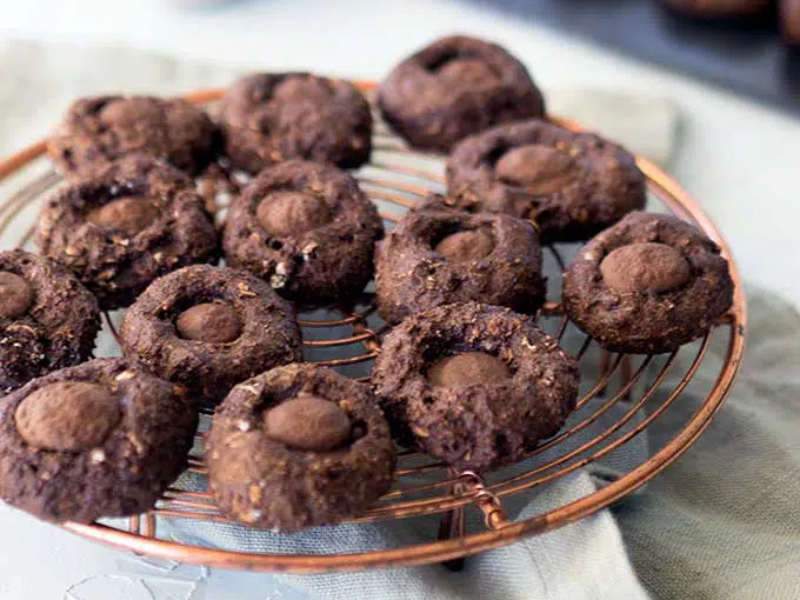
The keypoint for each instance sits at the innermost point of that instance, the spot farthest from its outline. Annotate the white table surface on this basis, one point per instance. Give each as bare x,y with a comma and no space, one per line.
742,161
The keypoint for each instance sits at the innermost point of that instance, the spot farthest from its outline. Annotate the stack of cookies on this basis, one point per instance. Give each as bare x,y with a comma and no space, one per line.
465,376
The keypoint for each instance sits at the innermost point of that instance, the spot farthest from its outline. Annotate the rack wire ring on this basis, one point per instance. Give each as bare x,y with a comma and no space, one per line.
461,490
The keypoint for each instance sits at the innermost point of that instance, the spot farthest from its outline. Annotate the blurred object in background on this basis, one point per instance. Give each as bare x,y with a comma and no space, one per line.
790,21
751,47
720,9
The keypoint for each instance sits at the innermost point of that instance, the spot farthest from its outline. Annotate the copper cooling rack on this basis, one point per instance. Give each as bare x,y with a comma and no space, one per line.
637,390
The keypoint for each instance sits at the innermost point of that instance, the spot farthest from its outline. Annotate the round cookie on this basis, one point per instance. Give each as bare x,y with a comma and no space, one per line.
307,229
48,320
572,185
97,131
455,87
209,328
124,226
299,446
648,285
716,9
436,258
271,117
102,439
473,385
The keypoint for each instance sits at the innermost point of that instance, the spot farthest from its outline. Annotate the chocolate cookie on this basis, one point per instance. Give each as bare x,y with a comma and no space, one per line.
790,21
456,87
208,328
572,185
436,258
297,447
476,386
307,229
122,227
648,285
48,320
102,439
716,9
97,131
269,118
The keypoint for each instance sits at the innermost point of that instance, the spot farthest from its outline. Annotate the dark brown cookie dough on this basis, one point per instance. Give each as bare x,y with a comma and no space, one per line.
716,9
97,131
208,328
436,258
271,117
102,439
572,185
647,285
48,320
473,385
299,446
124,226
456,87
307,229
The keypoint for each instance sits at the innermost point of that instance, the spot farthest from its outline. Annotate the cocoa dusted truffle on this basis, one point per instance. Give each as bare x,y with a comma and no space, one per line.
48,320
103,439
299,446
473,385
647,285
209,328
571,184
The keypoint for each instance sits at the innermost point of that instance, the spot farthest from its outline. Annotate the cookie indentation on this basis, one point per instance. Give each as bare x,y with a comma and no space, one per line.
469,72
308,423
469,368
68,416
289,213
128,215
467,245
645,268
215,323
16,295
539,169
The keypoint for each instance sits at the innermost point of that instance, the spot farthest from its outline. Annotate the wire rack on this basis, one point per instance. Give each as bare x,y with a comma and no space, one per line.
623,396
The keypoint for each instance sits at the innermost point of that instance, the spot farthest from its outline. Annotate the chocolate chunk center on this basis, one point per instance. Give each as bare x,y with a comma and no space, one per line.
467,245
308,423
645,268
470,368
128,215
68,416
284,214
215,323
539,169
16,295
468,72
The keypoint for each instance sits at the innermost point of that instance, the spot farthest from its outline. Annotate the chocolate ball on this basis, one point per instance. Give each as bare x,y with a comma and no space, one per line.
308,423
68,416
467,245
470,368
128,215
469,72
289,213
645,268
16,295
539,169
215,323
